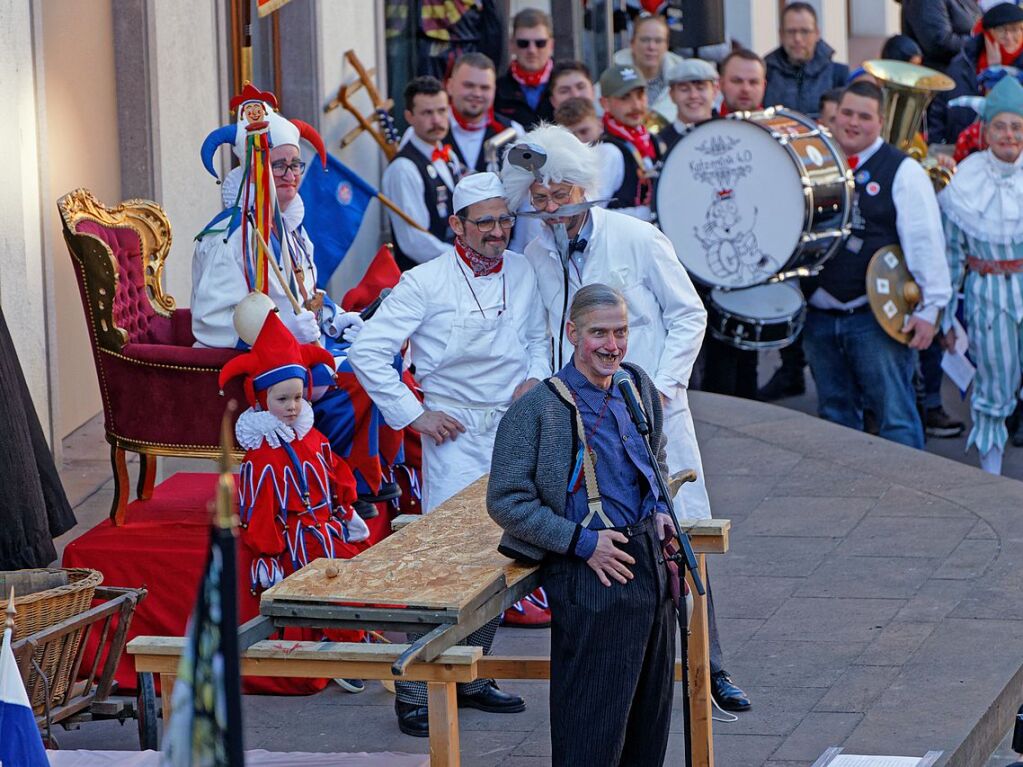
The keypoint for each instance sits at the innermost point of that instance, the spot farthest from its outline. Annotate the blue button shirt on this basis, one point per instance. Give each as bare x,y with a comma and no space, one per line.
625,476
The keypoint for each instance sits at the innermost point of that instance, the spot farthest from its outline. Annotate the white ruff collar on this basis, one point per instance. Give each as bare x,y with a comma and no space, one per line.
255,426
985,198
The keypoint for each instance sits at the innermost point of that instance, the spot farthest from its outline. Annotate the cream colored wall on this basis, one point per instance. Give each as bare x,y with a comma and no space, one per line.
189,102
22,290
341,25
80,149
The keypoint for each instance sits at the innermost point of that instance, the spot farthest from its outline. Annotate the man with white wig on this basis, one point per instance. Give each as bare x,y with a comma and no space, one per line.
477,338
553,170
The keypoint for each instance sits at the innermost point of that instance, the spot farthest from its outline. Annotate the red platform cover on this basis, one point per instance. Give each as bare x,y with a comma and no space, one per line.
163,546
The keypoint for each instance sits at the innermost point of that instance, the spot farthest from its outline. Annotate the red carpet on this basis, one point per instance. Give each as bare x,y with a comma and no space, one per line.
163,546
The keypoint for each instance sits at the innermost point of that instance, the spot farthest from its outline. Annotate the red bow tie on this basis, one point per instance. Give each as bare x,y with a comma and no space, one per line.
441,153
854,161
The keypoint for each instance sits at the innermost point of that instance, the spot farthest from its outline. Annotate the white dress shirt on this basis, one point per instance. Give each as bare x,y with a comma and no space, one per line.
470,142
404,186
612,175
921,236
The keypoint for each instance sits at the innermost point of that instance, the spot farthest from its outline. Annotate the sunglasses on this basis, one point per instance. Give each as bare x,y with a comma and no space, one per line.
535,43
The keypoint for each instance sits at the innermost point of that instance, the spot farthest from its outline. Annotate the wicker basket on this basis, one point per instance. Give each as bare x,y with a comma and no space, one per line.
43,609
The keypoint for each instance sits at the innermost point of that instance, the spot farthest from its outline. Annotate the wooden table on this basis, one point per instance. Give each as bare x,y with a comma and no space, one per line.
442,577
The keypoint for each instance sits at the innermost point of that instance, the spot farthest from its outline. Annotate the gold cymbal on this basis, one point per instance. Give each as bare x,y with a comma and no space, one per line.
891,290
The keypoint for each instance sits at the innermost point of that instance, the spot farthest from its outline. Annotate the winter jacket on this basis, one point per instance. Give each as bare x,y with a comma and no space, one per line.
800,87
941,29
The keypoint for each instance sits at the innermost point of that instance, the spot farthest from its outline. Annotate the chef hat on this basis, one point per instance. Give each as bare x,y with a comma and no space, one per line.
1006,96
275,356
253,106
568,161
476,187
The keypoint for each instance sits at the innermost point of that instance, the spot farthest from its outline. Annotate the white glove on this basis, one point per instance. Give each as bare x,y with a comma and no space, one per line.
347,325
302,325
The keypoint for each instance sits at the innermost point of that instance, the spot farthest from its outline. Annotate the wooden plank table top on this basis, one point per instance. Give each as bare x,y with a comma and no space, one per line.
445,561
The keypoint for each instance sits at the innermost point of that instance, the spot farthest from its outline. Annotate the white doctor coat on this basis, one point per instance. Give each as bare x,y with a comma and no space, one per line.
472,340
667,321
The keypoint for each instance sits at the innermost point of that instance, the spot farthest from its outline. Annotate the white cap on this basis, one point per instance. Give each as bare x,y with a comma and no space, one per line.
476,187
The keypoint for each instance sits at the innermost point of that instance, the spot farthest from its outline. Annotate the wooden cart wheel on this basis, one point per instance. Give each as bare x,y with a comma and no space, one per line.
145,713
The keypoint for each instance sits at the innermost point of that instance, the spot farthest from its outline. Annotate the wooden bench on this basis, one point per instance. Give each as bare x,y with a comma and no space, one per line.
439,576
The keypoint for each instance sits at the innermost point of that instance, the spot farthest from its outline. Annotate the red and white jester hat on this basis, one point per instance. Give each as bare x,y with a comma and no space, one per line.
275,356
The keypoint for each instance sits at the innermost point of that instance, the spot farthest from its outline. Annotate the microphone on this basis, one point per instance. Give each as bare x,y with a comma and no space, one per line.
623,381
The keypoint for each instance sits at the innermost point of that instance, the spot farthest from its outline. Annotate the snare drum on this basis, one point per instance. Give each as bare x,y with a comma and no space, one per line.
761,317
755,197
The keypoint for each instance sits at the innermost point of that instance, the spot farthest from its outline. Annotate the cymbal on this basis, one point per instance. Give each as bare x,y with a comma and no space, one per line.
891,290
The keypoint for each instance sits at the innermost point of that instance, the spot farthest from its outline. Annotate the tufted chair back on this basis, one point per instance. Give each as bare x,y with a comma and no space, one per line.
160,393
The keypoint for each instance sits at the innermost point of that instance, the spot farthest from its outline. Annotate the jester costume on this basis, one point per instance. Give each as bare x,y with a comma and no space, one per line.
295,496
982,209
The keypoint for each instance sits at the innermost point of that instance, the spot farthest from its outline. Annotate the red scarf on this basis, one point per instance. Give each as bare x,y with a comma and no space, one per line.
1008,57
639,136
530,79
476,261
488,121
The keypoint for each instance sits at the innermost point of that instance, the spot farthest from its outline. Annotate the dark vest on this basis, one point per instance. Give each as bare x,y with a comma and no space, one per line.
872,226
669,137
437,197
510,103
633,191
488,133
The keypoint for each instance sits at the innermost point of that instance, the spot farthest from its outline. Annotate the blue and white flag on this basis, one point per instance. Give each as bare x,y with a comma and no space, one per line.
335,203
20,742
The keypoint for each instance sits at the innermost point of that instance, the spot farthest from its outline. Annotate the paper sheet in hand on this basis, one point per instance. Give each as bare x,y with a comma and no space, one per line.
958,368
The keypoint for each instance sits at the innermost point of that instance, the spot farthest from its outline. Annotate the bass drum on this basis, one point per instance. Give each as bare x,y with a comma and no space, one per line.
754,197
761,317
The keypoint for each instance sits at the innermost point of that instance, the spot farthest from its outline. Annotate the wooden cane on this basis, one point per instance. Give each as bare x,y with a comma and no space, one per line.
277,271
390,204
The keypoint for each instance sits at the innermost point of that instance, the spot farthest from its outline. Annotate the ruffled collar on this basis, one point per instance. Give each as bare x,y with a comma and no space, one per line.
985,198
256,426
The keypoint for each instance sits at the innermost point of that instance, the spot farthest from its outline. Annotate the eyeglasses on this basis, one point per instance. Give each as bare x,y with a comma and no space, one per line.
652,40
280,168
487,223
523,44
561,197
798,32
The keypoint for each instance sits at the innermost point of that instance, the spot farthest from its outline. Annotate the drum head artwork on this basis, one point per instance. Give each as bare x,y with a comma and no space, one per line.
731,200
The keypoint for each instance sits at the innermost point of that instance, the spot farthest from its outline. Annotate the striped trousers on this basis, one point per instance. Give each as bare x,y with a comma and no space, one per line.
415,692
612,659
996,345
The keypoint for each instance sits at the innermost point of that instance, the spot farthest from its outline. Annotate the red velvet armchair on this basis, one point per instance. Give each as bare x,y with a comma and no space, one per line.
160,393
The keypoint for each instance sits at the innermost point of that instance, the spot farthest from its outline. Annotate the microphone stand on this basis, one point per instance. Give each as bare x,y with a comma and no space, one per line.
684,557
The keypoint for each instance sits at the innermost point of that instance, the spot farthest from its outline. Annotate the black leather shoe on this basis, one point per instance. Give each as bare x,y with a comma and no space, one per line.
493,700
365,509
413,719
727,694
784,383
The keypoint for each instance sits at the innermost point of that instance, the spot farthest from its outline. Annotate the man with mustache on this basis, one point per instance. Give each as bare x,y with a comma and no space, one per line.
629,153
477,336
666,317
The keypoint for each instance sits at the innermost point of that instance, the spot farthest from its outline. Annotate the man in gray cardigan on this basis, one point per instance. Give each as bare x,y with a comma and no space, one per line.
613,626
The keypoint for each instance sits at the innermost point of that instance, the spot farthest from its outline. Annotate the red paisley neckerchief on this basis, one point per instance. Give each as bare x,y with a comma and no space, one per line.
488,121
476,261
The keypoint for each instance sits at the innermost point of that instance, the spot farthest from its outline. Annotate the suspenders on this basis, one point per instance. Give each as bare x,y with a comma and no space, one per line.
589,473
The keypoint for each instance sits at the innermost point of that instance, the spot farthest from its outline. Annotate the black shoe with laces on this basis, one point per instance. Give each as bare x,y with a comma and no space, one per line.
727,694
493,700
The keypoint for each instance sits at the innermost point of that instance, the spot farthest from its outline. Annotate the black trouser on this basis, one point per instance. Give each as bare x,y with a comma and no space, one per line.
612,659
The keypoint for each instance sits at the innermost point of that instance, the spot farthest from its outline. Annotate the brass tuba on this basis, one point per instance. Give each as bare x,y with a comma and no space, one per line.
908,89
